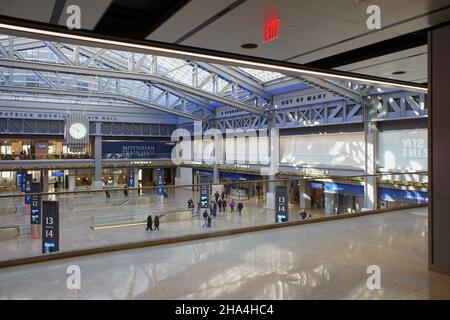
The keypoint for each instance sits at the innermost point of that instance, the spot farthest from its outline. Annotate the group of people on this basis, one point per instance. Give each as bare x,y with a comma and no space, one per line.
304,215
150,223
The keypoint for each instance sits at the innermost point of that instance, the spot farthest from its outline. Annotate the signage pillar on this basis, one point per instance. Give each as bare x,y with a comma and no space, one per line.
50,226
27,189
160,185
35,206
281,204
204,193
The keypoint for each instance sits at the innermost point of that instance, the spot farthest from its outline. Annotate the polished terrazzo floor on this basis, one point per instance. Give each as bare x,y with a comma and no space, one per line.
326,260
81,211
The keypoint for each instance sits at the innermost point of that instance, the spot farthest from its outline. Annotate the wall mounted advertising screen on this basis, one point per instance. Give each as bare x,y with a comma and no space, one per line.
137,149
281,204
50,226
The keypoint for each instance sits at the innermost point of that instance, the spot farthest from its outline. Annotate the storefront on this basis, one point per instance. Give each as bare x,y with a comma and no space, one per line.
337,198
394,198
24,149
317,195
244,190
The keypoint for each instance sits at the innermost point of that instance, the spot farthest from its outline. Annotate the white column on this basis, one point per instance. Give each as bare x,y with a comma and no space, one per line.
274,152
304,189
72,177
370,181
98,183
44,180
183,176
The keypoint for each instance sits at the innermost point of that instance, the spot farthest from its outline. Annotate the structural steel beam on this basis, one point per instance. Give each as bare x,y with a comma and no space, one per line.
41,66
102,95
334,88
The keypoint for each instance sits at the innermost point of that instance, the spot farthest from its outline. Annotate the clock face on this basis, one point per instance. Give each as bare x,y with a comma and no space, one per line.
77,131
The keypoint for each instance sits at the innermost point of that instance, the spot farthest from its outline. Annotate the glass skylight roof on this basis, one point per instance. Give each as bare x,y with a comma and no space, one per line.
261,75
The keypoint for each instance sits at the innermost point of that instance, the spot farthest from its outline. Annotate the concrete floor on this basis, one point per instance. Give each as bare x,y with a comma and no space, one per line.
81,211
326,260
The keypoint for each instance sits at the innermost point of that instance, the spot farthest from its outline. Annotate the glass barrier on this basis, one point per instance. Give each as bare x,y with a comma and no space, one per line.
98,218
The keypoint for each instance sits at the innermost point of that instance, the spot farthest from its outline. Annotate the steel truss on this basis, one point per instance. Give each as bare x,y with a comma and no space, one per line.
393,105
180,85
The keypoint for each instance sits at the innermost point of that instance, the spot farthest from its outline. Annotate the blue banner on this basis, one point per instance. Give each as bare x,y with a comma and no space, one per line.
387,194
137,149
347,189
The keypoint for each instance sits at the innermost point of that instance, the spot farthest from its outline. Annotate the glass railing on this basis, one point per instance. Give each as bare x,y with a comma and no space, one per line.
71,221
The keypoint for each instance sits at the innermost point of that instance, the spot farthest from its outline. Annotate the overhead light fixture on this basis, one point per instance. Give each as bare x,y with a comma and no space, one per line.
96,42
249,46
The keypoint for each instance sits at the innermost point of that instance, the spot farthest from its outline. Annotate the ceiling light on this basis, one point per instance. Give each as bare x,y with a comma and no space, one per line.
151,49
249,46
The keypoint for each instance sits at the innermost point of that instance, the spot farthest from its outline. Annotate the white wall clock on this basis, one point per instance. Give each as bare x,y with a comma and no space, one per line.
77,131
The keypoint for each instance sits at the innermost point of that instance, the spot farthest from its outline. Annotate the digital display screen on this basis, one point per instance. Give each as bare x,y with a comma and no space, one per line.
19,180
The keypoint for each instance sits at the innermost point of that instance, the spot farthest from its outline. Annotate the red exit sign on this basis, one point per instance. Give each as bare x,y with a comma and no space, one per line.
271,29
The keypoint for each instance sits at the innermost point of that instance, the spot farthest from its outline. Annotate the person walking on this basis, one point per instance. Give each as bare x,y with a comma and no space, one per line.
219,203
215,209
209,222
56,186
149,223
205,219
107,194
156,223
216,196
190,204
224,205
232,204
223,195
125,190
240,206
